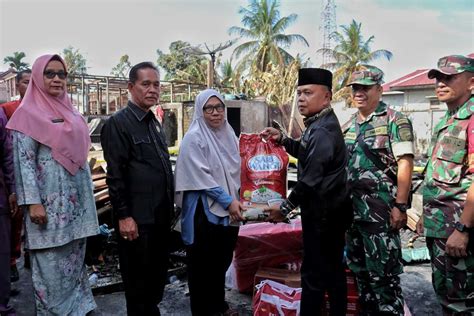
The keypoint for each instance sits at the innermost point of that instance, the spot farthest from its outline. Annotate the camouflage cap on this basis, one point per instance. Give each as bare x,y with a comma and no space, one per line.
451,65
367,77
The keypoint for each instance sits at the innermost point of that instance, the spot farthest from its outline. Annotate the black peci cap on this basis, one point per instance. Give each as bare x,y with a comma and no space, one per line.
315,76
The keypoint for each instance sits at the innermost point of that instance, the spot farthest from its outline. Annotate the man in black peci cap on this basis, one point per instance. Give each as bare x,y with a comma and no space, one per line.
320,193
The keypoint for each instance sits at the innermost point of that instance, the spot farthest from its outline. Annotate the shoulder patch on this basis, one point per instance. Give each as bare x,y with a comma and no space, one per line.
405,134
402,121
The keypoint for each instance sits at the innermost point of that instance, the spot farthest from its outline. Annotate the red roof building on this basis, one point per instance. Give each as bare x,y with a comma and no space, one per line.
417,79
414,94
414,80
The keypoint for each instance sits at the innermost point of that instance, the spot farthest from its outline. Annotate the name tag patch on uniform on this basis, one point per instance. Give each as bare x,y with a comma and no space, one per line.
454,142
350,136
380,130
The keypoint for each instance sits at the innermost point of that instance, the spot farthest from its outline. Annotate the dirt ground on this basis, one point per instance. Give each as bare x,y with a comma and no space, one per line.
416,285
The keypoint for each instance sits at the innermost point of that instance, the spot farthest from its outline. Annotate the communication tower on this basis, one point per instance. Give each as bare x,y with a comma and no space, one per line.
328,26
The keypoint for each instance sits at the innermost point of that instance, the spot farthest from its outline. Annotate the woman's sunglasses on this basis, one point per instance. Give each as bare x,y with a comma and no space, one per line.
51,74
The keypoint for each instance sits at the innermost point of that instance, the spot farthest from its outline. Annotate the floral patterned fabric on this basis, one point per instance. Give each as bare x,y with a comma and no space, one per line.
60,281
68,199
57,249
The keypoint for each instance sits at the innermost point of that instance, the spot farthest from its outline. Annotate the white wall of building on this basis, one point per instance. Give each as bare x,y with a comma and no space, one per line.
394,99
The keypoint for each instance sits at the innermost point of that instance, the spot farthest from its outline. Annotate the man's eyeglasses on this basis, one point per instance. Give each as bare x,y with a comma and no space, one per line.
51,74
210,108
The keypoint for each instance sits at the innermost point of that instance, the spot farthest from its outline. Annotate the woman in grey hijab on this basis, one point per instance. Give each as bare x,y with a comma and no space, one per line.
207,184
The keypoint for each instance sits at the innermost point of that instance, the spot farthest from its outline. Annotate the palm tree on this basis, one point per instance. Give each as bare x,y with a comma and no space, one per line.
265,29
228,76
15,61
227,72
350,54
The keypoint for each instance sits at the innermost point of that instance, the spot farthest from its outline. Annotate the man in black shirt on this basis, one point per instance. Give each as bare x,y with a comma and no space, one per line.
320,193
140,184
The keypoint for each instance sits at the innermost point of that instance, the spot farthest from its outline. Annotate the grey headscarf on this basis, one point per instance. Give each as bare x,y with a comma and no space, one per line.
208,157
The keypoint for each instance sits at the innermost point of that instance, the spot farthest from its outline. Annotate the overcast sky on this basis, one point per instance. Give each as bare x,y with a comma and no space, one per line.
418,32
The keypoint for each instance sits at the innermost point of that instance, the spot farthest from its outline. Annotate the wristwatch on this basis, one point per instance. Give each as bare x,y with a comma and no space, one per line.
461,227
286,208
403,207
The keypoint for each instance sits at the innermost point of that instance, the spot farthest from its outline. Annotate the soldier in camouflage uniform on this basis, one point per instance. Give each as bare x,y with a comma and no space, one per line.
379,200
448,195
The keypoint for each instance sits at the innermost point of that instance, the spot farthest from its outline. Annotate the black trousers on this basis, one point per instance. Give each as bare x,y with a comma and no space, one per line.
144,266
4,257
322,269
209,257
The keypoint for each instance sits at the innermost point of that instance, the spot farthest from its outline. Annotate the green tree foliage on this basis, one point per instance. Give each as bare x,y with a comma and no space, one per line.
350,54
194,73
264,27
75,61
15,61
227,75
122,68
179,64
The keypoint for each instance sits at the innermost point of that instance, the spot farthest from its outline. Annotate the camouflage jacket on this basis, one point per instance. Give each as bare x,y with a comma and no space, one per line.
449,173
388,134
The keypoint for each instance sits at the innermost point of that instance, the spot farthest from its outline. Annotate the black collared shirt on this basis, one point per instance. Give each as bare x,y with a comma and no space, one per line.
139,172
322,176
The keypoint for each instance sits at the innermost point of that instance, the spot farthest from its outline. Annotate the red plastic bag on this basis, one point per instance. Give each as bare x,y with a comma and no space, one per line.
263,172
273,298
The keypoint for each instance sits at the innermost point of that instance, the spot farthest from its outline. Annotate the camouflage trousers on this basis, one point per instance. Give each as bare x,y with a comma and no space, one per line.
453,278
374,255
